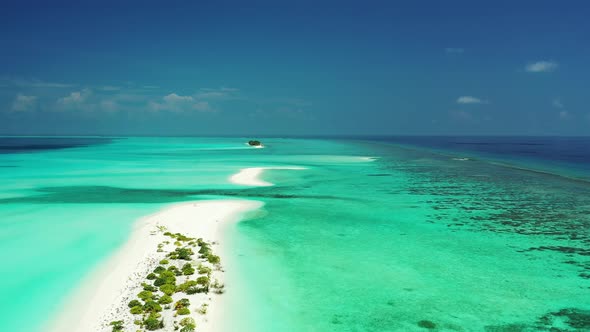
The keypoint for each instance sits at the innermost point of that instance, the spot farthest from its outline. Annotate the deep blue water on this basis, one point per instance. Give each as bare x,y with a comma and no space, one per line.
32,144
569,156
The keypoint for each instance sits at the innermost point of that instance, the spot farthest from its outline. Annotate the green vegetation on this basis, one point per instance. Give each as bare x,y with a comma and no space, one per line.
205,250
181,253
136,310
153,322
150,288
182,303
203,309
175,270
218,287
188,324
145,295
202,269
168,289
166,277
166,299
188,269
194,290
183,311
117,325
203,281
186,285
152,306
254,143
213,259
160,285
133,303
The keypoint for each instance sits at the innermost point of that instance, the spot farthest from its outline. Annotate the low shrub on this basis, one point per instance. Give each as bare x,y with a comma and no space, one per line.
133,303
213,259
149,288
165,299
203,280
152,322
152,306
218,287
145,295
117,325
159,269
194,290
202,269
166,277
182,253
188,269
205,250
182,303
203,309
164,262
137,310
185,285
183,311
151,276
168,289
188,324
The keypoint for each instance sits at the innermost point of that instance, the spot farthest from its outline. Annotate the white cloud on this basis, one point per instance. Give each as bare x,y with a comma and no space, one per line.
470,100
24,103
454,50
557,103
174,98
541,66
75,98
178,103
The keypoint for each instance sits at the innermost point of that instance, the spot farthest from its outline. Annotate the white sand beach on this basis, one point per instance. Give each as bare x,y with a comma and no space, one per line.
103,297
251,176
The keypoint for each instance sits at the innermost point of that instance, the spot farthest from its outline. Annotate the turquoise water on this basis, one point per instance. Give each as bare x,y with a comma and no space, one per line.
408,242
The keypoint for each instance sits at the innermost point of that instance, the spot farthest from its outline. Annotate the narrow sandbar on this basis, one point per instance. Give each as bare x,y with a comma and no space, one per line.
104,295
251,176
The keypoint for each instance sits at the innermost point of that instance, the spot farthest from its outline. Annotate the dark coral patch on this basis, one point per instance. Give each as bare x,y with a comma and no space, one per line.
427,324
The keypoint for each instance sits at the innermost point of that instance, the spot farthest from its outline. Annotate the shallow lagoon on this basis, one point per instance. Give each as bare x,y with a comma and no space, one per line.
413,240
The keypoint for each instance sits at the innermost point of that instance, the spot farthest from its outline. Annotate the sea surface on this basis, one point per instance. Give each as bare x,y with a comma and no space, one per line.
376,234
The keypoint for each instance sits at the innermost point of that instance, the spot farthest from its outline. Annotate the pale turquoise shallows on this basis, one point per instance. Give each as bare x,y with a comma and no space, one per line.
409,241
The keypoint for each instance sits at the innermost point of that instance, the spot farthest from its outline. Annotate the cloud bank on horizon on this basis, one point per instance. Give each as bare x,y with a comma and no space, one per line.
299,69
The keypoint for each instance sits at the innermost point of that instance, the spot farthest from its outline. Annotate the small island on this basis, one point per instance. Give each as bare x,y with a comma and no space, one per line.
255,143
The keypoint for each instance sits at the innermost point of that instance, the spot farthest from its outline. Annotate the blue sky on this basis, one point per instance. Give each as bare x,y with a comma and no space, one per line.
295,68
